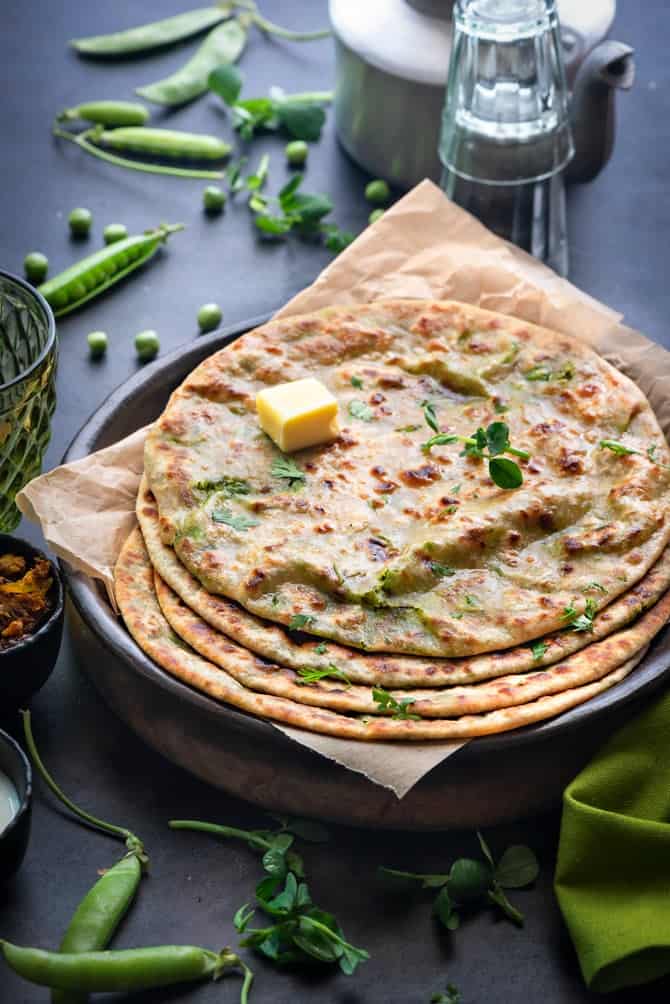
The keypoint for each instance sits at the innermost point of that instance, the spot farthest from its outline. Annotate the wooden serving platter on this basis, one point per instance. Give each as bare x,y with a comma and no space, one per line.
491,780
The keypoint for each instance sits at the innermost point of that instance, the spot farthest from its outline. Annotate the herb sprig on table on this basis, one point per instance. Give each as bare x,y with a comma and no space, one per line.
299,115
298,931
484,444
472,883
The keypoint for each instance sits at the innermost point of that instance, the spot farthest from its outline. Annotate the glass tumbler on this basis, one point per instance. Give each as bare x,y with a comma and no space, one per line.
506,137
28,355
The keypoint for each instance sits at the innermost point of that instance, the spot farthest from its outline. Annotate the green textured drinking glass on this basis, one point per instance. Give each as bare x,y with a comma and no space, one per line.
28,356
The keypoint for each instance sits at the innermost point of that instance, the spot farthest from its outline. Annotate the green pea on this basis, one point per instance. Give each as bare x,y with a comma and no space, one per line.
147,345
296,152
114,232
375,215
213,199
377,192
36,266
80,222
209,316
97,343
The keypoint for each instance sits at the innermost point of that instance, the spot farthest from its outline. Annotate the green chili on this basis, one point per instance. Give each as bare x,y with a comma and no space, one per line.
125,971
164,143
223,45
107,113
154,35
102,269
99,914
82,141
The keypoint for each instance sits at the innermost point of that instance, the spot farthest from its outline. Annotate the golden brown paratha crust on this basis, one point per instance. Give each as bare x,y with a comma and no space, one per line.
361,547
590,664
275,644
145,621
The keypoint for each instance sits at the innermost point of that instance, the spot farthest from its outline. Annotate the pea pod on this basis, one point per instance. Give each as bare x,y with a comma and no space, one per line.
97,272
154,35
125,971
167,143
223,45
107,113
99,914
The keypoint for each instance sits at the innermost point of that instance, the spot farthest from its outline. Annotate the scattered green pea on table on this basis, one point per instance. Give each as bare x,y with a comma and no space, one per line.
35,266
296,152
375,215
209,317
97,343
114,232
147,345
80,221
213,199
377,192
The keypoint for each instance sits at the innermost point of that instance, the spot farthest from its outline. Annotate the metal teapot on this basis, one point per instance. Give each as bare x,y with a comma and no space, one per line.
392,58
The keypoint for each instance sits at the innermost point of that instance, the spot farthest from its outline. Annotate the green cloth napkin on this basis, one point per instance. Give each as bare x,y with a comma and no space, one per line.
613,871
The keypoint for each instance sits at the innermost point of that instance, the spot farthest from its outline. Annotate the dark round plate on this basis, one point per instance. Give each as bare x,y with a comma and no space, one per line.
549,752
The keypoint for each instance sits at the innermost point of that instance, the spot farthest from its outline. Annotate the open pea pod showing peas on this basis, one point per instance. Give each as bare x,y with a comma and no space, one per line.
97,272
223,45
155,35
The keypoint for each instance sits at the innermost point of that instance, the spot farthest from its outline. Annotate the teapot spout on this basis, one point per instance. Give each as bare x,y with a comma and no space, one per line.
609,67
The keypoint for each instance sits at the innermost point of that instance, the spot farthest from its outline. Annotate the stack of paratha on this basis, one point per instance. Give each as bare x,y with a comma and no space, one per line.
381,588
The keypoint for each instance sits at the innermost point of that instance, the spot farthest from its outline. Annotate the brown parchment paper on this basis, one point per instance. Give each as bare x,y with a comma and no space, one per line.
424,247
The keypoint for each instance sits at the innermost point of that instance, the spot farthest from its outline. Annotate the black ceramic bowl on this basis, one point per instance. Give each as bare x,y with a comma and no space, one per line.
14,837
25,666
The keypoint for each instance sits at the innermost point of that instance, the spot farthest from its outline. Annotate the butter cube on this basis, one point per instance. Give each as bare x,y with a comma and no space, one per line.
298,414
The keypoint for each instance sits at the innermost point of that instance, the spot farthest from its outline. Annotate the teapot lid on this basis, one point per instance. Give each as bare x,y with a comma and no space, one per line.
399,36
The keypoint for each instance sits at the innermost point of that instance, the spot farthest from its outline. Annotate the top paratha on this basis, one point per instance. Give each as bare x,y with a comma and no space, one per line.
385,546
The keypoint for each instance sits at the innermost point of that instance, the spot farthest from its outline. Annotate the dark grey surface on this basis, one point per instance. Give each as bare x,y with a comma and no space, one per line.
618,227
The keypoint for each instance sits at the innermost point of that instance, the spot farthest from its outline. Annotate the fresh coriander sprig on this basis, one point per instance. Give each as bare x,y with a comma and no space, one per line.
485,444
623,451
399,709
239,521
286,469
299,622
312,674
583,621
471,882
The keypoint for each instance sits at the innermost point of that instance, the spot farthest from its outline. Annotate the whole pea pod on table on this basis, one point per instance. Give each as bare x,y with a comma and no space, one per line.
169,143
223,45
97,272
125,971
107,113
155,35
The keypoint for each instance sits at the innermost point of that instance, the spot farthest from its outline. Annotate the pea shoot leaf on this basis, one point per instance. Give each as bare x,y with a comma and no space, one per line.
452,995
505,473
517,868
226,81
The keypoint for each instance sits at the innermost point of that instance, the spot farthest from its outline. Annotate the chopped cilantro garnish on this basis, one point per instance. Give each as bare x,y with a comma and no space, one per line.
285,468
313,675
387,702
300,621
538,650
359,409
240,522
357,383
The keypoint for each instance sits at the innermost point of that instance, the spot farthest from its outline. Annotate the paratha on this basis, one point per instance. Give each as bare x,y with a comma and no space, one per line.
300,651
386,546
134,587
590,664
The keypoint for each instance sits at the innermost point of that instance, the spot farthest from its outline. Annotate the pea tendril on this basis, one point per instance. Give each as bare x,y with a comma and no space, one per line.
133,843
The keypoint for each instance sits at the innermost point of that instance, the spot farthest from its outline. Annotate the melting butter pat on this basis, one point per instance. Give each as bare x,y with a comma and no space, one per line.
298,414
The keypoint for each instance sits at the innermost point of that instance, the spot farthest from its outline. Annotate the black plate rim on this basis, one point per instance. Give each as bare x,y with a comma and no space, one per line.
95,610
